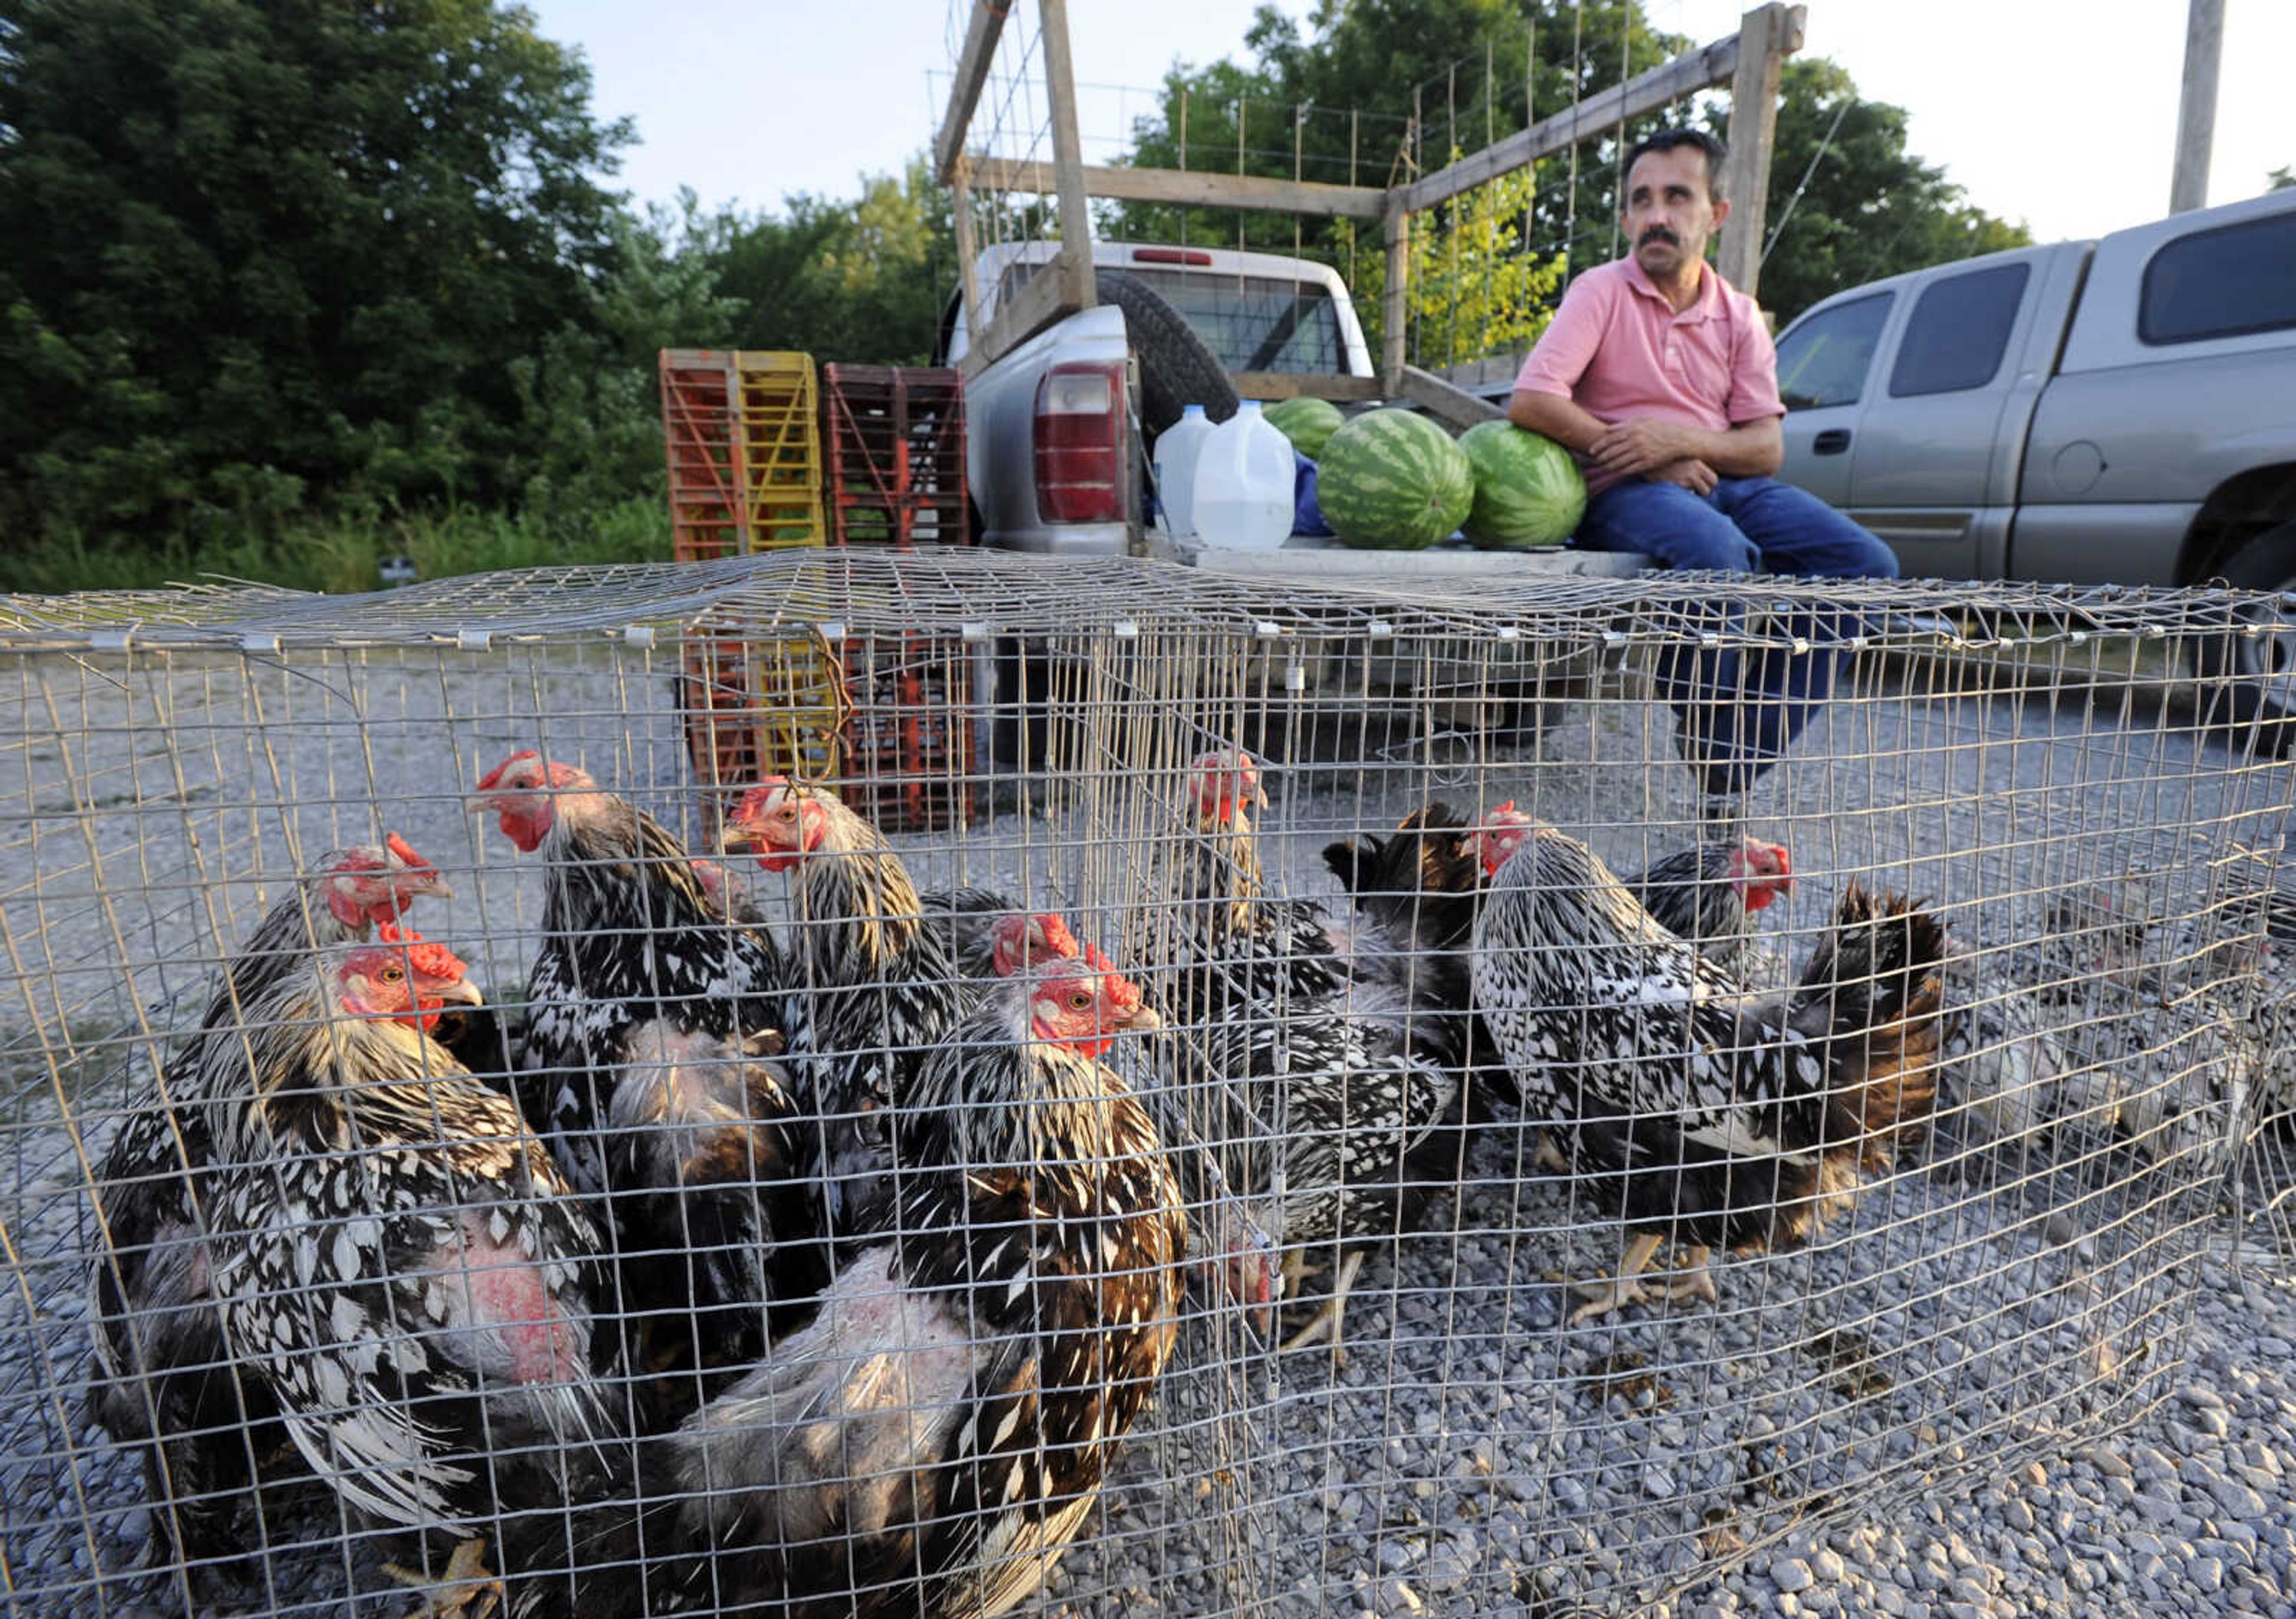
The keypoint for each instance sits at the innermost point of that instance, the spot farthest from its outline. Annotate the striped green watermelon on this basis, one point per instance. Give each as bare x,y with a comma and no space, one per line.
1393,479
1528,491
1309,424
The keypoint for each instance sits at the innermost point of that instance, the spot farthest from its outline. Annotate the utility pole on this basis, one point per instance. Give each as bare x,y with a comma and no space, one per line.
2196,107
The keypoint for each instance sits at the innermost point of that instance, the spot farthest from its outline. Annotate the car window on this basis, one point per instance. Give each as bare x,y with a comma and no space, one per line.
1958,331
2221,283
1824,360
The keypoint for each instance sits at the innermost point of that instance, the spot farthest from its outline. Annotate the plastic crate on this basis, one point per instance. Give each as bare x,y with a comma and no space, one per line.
887,721
760,705
703,454
740,433
907,743
895,439
777,404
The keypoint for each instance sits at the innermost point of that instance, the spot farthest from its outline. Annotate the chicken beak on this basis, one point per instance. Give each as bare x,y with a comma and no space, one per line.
734,837
461,992
1144,1020
436,887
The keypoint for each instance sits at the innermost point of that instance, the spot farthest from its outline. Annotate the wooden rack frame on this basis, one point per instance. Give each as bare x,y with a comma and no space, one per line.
1752,62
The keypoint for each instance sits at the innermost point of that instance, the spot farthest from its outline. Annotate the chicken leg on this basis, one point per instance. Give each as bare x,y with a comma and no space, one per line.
1325,1321
466,1589
1606,1294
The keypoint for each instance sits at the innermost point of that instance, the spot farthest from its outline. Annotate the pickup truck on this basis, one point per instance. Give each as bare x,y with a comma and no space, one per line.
2117,411
1057,430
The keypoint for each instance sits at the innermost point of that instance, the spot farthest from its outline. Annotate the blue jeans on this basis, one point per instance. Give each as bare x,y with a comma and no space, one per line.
1740,707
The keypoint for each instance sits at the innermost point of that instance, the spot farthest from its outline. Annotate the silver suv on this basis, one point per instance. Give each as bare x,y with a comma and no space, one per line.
2120,411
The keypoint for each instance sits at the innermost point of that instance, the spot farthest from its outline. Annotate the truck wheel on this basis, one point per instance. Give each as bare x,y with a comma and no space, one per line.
2253,678
1175,369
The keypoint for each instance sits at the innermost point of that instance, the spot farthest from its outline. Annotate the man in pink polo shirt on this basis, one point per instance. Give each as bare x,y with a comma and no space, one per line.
1660,376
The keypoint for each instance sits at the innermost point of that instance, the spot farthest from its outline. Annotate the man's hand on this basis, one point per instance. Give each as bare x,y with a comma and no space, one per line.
1690,472
1629,448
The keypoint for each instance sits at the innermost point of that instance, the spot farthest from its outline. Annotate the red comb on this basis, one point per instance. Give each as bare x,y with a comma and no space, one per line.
492,778
430,957
1120,990
1057,937
405,850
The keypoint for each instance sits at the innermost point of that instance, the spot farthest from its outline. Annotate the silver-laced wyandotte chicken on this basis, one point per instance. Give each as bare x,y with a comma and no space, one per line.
930,1444
874,985
397,1261
650,1008
159,1342
1702,1112
1318,1068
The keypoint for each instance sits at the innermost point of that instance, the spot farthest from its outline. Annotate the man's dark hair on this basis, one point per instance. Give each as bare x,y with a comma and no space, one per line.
1668,140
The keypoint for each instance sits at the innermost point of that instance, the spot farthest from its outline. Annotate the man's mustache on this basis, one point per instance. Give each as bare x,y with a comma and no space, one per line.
1657,233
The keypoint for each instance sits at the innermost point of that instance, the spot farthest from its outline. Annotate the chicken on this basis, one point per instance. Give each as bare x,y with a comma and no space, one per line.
648,1006
397,1261
1423,884
1705,1114
931,1443
1711,893
2182,1055
1328,1073
2008,1058
875,987
159,1341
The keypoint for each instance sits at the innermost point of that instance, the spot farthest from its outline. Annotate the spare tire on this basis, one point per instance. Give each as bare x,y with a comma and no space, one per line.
1177,369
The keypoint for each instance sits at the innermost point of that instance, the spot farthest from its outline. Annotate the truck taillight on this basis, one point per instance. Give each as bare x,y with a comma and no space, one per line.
1081,459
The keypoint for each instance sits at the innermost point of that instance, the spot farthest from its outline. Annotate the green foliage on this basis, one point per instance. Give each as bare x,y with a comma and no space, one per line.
263,250
2281,178
1474,287
862,282
343,552
282,278
1871,208
1334,102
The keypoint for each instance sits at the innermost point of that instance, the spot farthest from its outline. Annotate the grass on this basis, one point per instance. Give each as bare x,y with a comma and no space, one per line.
344,556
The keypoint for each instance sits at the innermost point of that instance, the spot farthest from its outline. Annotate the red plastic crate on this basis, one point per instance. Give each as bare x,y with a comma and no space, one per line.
906,752
894,436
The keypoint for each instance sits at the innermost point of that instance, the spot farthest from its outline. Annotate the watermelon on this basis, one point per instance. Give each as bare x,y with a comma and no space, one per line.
1528,491
1307,422
1394,480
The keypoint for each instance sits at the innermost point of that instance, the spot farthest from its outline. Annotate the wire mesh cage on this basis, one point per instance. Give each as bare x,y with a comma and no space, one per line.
727,1204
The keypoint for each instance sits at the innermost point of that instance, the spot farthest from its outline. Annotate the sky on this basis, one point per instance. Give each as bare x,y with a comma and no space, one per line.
2068,125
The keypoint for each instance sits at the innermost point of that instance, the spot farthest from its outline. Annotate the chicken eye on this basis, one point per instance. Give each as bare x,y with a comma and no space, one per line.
393,974
787,812
1079,1001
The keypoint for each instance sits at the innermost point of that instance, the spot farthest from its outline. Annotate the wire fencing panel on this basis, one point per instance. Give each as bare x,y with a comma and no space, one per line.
1339,1111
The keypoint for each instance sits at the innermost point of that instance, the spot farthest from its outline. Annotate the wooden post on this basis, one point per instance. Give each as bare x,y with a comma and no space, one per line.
1765,35
2196,105
1074,265
960,182
1398,284
972,64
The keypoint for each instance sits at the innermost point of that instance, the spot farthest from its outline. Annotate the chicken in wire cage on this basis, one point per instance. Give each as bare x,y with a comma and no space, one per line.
729,1198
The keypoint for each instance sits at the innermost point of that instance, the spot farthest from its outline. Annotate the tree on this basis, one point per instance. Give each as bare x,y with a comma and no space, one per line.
2281,178
265,248
862,282
1869,208
1335,102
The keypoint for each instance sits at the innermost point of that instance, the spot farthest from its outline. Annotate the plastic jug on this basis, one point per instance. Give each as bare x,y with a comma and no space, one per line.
1178,448
1244,483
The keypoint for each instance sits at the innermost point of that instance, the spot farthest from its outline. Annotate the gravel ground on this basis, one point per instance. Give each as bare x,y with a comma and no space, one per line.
1998,1386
